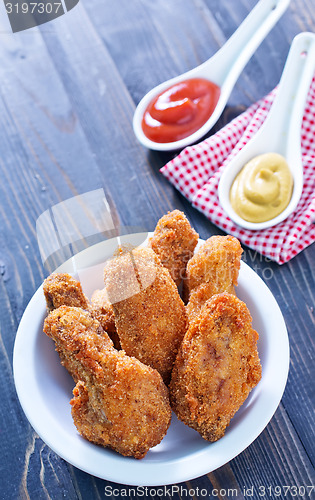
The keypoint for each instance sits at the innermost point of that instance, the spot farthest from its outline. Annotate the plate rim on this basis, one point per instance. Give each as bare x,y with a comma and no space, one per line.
152,472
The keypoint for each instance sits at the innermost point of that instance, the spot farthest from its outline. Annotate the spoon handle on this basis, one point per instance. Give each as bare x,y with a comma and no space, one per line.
236,52
292,91
281,130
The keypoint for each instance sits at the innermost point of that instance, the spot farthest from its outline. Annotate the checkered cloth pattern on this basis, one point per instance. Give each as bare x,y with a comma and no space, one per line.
196,172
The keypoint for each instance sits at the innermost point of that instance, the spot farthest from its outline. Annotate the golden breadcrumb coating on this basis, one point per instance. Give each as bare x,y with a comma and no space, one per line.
118,401
102,310
149,313
199,296
214,268
69,337
216,367
60,289
174,241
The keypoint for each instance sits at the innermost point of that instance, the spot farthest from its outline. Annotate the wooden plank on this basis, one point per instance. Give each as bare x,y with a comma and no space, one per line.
67,95
106,118
174,43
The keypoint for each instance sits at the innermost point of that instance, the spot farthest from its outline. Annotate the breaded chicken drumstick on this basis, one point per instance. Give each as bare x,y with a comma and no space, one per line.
118,401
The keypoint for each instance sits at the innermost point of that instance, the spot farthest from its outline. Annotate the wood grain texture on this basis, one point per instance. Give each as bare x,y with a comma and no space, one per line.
68,91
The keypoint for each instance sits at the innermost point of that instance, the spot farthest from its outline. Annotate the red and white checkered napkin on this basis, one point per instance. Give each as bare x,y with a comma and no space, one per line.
196,172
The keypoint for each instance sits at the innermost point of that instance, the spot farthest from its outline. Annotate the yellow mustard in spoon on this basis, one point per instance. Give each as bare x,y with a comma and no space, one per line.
263,188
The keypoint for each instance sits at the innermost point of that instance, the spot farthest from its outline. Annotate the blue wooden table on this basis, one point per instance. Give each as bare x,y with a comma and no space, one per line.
68,91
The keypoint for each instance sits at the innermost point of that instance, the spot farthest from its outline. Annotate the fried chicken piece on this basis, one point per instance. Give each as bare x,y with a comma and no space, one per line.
118,401
174,241
213,269
60,289
216,367
102,310
150,316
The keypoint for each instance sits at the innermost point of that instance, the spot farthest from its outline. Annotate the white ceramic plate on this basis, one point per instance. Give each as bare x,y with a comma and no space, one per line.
45,388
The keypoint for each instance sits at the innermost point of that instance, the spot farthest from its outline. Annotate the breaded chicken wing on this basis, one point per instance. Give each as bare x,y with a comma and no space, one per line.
213,269
216,367
149,313
174,241
118,401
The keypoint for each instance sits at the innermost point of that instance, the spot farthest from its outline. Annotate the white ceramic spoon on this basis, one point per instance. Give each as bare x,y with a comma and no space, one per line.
280,132
223,69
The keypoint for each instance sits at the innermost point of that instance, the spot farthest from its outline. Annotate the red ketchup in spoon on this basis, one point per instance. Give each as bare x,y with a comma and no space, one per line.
180,110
